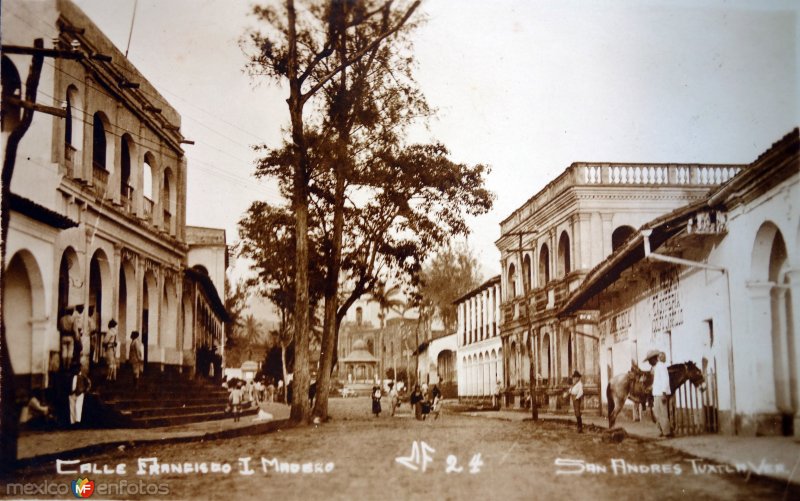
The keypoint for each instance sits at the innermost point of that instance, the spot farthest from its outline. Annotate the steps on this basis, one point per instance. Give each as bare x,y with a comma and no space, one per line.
160,398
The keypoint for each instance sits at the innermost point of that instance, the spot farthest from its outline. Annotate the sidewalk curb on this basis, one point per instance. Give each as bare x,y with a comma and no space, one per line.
258,428
794,482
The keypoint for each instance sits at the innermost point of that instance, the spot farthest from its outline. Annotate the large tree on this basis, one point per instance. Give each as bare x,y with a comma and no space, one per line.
297,42
451,273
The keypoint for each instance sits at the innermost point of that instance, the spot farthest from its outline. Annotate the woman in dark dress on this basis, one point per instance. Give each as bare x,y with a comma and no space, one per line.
416,402
376,401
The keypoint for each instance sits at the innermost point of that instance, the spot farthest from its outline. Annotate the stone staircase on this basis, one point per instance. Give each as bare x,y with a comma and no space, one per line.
161,398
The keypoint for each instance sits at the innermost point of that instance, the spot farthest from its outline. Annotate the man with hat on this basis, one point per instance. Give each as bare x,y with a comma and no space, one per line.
661,390
577,398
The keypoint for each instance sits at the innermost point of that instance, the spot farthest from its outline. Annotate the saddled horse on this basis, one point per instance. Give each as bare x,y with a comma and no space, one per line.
637,385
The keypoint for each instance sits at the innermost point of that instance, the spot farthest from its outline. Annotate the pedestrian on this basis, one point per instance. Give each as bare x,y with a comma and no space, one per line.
235,399
416,402
576,391
661,391
86,340
498,393
65,329
136,356
270,392
376,400
81,384
436,407
110,348
94,335
77,333
394,399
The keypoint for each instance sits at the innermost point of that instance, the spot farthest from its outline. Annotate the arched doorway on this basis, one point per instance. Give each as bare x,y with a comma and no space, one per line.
149,313
772,307
70,280
169,316
100,288
23,303
188,321
546,358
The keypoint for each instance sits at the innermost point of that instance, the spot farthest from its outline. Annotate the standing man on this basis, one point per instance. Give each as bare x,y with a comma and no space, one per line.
77,333
65,329
577,398
661,391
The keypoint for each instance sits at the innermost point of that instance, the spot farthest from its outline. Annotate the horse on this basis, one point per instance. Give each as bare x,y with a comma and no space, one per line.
637,385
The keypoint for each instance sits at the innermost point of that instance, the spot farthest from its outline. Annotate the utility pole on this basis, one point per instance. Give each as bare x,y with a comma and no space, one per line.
531,336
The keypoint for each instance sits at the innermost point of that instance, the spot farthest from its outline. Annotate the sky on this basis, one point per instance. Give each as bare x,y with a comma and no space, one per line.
526,87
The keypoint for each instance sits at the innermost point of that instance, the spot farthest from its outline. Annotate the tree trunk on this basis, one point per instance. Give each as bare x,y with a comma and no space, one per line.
9,416
301,411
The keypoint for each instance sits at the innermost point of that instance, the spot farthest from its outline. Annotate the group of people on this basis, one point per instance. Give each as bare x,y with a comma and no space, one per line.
423,402
248,394
661,393
82,344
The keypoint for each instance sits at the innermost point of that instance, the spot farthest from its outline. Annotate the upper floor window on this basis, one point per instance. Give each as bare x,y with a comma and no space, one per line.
564,265
544,265
512,281
125,166
147,171
528,272
99,141
620,235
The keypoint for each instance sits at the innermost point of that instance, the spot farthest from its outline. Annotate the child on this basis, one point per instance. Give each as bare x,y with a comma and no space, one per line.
577,398
235,399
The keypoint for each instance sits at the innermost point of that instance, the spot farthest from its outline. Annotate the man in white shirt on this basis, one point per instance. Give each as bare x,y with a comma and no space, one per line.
577,398
661,391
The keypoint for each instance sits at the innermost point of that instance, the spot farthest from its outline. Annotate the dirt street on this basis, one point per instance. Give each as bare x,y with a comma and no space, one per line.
357,456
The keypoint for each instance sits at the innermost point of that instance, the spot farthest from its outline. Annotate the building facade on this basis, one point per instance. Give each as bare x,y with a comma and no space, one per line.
715,283
101,191
480,364
548,246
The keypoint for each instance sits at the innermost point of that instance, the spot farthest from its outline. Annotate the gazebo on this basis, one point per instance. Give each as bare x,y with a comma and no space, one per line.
360,366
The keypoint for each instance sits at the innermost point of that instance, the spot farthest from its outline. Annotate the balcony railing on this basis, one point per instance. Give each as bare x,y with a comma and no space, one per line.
126,197
69,158
167,220
632,175
148,209
100,178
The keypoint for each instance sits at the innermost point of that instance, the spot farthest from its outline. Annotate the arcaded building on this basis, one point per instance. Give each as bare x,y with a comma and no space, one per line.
549,244
99,200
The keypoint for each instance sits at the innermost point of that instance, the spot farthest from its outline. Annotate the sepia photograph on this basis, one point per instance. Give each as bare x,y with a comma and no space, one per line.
400,249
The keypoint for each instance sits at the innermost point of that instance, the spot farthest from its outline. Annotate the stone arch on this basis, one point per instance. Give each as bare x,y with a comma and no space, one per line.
620,235
512,364
512,281
73,127
772,306
187,309
544,265
150,301
527,271
100,288
149,169
70,280
547,360
564,255
169,316
102,143
126,300
126,167
23,304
